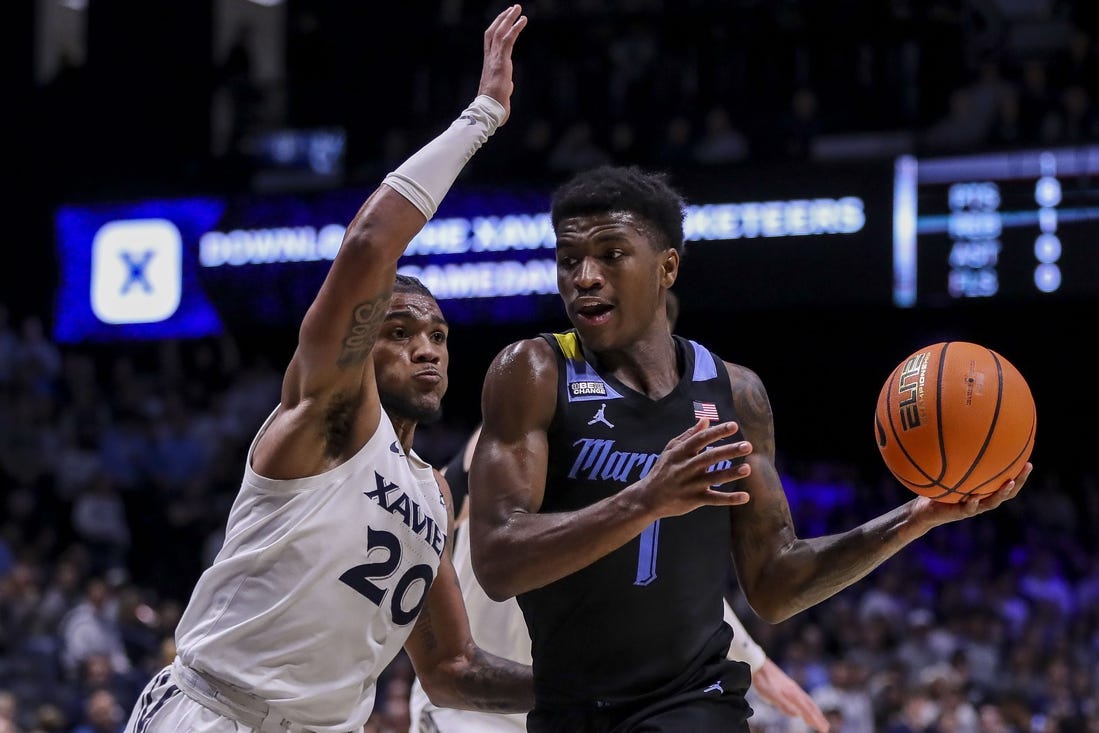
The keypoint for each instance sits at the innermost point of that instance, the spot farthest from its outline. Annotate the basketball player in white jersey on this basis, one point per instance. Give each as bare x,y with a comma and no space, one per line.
335,553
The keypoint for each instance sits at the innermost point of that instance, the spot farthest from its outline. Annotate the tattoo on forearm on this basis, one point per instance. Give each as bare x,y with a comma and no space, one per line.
496,685
366,321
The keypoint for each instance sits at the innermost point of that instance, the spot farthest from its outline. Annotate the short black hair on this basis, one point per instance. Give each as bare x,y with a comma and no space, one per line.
646,194
410,284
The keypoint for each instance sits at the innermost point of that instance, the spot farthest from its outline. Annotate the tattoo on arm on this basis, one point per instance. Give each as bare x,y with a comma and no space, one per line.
366,321
424,630
753,409
496,685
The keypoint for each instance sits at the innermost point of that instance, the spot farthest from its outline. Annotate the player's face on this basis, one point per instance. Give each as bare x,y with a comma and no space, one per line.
610,276
411,358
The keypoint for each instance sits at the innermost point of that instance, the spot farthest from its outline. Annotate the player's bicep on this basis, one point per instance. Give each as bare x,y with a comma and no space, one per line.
763,526
753,410
508,468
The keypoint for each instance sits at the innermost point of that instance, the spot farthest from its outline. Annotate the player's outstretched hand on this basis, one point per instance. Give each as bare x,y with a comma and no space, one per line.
684,476
496,73
934,513
779,689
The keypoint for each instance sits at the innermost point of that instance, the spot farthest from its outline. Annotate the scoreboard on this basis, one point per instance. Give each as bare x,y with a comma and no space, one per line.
1009,227
1012,226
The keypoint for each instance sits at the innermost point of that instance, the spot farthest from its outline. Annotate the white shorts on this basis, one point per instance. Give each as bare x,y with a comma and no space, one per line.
163,708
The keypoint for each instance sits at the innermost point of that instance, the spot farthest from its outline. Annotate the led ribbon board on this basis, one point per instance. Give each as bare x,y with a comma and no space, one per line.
1018,225
184,268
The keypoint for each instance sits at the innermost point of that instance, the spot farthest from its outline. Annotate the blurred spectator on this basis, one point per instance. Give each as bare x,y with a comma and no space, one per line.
102,714
36,357
178,452
99,520
846,693
9,344
800,125
677,148
91,628
917,715
9,712
61,594
576,150
1043,583
721,142
1037,103
922,643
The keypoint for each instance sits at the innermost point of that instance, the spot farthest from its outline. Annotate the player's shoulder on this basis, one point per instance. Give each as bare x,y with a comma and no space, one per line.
525,356
523,373
739,375
742,377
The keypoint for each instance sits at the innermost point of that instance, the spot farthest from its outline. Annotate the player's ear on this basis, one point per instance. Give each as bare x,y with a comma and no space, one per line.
669,267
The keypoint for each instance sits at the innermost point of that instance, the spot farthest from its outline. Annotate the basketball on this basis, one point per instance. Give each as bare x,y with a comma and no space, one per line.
955,419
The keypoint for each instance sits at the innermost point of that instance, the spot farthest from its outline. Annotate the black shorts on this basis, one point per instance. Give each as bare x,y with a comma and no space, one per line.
713,700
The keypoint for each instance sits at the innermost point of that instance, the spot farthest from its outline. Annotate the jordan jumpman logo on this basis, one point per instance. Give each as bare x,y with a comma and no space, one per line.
600,417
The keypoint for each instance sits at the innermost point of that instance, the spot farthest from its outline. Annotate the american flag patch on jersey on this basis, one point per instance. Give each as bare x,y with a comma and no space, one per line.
706,410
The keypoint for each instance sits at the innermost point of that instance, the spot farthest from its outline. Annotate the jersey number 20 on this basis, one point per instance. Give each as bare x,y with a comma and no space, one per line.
362,577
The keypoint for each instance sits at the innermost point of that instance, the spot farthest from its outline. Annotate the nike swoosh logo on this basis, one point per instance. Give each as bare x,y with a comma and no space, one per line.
469,118
395,448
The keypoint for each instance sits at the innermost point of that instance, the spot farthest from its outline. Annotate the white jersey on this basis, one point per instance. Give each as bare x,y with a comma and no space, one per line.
499,629
319,583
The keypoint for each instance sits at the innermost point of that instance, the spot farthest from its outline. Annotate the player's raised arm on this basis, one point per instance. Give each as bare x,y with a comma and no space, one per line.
341,325
330,371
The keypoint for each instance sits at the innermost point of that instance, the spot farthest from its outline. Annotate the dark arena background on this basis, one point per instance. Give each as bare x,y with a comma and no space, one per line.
863,177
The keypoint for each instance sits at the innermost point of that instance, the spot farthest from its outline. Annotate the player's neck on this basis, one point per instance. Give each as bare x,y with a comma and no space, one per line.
649,365
405,429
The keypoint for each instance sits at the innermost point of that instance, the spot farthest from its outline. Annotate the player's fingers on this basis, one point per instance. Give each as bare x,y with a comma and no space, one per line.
1023,476
698,440
727,498
706,460
811,713
723,476
513,31
700,425
503,23
501,19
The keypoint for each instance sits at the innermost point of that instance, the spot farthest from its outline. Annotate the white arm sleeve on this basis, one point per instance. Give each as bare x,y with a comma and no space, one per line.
425,178
744,648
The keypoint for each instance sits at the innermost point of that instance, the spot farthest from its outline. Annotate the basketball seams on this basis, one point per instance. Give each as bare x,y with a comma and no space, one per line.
1027,448
939,415
889,411
991,426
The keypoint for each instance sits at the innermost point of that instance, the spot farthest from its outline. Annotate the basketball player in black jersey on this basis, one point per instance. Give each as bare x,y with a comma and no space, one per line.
620,470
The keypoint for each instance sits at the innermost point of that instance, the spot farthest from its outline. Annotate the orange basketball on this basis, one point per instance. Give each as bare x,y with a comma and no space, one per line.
955,419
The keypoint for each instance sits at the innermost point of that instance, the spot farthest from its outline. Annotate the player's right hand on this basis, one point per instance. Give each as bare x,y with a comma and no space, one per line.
684,476
496,73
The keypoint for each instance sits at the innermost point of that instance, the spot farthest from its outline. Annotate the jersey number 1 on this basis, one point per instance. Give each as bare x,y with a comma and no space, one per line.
646,554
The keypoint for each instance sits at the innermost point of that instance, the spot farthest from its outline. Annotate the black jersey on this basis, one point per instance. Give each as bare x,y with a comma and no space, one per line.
649,614
457,478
